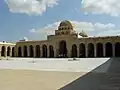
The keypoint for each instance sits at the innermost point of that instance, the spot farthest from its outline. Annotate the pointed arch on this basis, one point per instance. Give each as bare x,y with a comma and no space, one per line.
31,51
108,49
19,52
82,50
44,50
99,50
8,50
90,50
3,50
63,49
13,51
117,49
51,51
74,50
37,49
25,51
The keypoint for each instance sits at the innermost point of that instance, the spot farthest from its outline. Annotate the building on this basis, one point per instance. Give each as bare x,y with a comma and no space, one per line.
66,43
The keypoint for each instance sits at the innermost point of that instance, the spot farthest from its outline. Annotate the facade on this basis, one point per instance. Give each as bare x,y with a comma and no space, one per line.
65,43
7,49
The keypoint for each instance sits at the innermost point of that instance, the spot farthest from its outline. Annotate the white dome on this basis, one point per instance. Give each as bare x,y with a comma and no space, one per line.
24,39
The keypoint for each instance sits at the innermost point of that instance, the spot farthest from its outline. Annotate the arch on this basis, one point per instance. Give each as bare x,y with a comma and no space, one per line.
13,50
99,50
74,50
90,50
82,50
25,51
44,49
31,51
3,51
117,49
108,49
62,49
8,51
51,51
37,49
19,52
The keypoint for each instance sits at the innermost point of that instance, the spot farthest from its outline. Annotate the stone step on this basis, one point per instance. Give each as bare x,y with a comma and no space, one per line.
112,74
108,87
114,84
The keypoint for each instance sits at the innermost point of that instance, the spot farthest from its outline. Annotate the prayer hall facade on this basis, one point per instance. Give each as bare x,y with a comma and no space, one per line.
64,43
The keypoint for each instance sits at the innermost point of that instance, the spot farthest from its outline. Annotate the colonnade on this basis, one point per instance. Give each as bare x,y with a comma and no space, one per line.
90,50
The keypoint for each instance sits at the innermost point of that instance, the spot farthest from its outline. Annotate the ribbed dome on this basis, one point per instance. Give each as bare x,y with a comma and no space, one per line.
65,23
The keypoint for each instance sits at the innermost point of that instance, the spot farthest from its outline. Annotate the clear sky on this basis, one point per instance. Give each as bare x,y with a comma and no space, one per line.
35,19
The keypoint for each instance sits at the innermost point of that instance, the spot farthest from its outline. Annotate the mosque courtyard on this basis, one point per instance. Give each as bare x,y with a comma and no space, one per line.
56,73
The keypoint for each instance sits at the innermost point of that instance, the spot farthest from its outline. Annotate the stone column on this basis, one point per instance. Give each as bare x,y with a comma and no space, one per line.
0,53
86,51
28,52
48,51
41,52
22,51
113,48
94,50
104,50
10,52
68,52
34,51
15,52
5,53
55,52
78,53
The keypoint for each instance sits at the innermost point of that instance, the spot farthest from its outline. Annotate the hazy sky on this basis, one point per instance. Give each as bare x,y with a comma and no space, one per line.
35,19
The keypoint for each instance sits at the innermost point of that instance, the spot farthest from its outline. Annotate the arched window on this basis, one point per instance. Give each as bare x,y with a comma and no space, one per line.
109,49
3,51
90,50
74,50
62,49
19,52
117,49
82,50
44,49
8,51
31,51
99,50
51,51
37,49
25,51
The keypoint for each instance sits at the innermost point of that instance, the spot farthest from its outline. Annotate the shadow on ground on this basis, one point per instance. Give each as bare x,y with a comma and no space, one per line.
92,80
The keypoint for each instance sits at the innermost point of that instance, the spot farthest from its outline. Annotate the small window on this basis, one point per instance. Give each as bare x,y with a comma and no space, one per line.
62,32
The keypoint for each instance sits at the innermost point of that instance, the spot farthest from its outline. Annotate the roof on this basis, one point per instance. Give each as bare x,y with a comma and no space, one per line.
65,23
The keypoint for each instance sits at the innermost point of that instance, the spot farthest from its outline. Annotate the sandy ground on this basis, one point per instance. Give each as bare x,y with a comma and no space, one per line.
35,80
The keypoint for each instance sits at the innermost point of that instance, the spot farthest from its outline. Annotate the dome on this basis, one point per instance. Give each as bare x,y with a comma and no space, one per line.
65,23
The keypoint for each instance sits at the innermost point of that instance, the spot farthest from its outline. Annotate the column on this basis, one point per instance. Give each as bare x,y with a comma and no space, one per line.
5,53
113,48
104,50
94,50
86,52
78,53
48,51
34,51
0,53
22,51
41,52
69,52
10,52
55,52
28,52
15,52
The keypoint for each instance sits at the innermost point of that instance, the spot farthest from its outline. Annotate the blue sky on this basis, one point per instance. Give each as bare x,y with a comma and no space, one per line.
18,19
